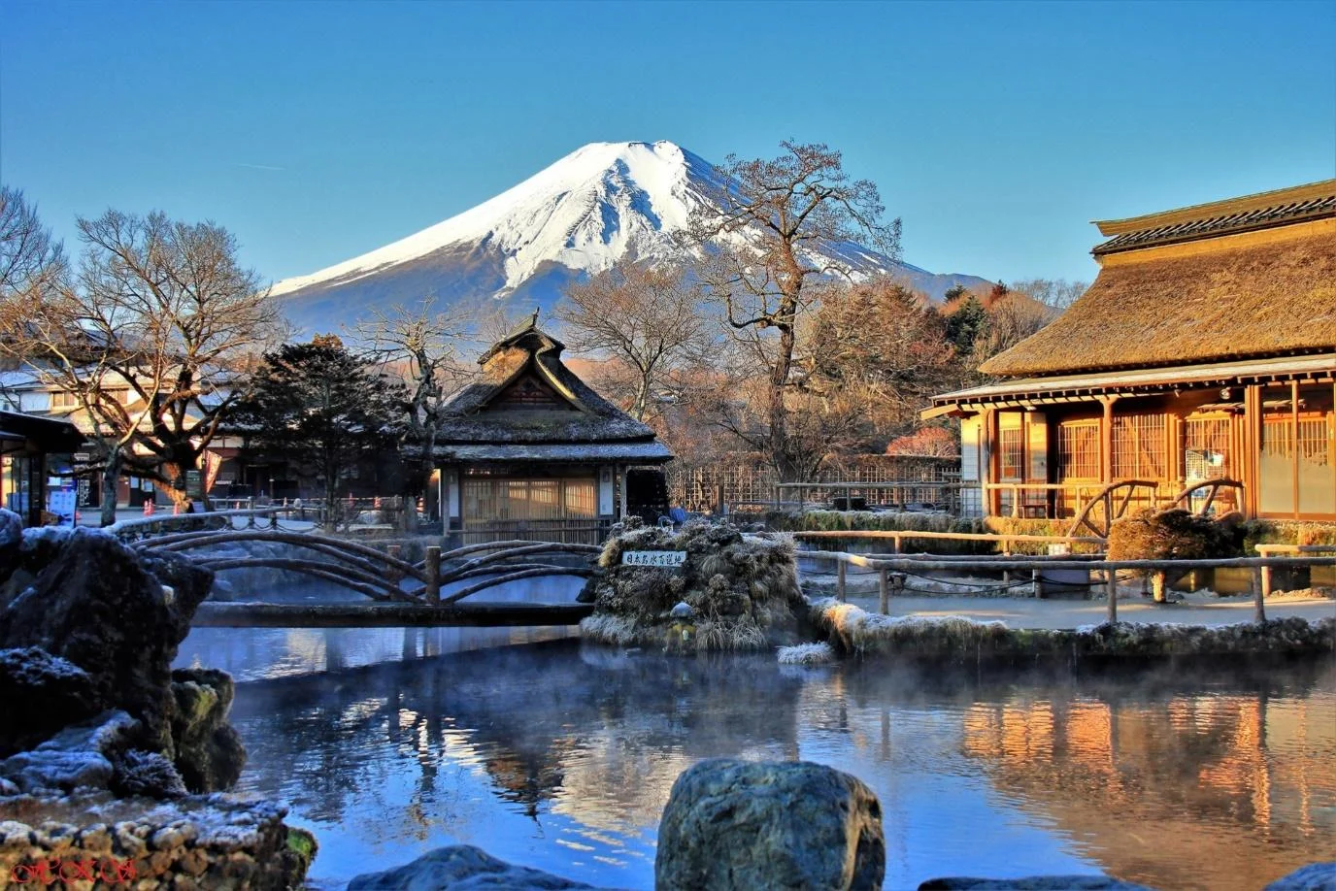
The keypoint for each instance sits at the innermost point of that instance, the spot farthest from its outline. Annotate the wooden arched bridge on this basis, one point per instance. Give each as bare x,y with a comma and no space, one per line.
402,593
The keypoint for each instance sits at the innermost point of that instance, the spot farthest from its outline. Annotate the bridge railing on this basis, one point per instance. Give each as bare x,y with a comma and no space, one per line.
381,574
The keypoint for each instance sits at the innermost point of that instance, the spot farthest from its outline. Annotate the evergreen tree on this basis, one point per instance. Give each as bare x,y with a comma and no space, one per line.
322,409
966,325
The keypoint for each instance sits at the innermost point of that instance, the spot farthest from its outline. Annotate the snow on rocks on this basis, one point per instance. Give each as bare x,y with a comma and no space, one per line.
807,654
851,629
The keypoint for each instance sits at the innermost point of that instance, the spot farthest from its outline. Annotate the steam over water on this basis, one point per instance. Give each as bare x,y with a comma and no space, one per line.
561,758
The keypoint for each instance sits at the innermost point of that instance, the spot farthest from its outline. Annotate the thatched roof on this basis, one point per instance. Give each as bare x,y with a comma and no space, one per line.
570,421
1213,299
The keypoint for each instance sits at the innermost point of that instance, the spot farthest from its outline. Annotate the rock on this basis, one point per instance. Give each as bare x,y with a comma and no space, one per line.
40,694
98,604
11,538
209,752
743,592
741,824
461,868
77,757
1032,883
1313,877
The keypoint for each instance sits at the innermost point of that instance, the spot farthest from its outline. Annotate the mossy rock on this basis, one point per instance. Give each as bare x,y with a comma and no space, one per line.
743,592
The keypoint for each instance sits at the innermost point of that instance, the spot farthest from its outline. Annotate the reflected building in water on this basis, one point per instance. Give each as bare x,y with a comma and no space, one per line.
1211,776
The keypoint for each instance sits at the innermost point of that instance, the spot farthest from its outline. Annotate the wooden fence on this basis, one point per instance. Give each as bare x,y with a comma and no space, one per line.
744,481
892,570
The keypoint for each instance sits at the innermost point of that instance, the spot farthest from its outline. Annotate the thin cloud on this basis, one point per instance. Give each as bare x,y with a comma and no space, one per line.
256,166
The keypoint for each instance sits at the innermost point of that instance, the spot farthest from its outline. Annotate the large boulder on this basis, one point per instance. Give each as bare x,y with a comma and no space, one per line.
1313,877
461,868
735,592
89,599
733,824
209,752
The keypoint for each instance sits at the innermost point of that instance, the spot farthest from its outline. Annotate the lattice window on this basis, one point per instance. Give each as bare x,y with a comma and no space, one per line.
1011,453
1139,447
1206,449
1078,451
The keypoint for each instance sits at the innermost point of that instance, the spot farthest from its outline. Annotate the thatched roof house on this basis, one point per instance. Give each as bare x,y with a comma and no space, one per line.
530,449
1205,349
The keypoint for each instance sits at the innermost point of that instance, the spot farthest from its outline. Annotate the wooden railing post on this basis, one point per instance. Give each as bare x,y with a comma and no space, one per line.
1111,589
432,570
840,569
884,589
1037,581
1263,592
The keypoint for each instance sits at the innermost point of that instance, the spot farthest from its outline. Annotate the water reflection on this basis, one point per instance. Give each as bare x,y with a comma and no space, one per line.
562,758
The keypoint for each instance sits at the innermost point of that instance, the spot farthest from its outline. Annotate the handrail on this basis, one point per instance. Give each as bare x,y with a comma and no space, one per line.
168,519
897,536
1263,566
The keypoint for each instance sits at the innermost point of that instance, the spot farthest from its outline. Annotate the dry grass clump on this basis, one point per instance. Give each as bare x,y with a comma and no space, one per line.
743,590
1173,535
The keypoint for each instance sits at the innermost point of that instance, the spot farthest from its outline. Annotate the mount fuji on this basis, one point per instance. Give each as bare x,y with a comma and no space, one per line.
579,216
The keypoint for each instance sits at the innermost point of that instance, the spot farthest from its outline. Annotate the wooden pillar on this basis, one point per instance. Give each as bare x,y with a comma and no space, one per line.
840,571
1106,439
621,497
1294,440
432,570
987,474
884,590
1252,451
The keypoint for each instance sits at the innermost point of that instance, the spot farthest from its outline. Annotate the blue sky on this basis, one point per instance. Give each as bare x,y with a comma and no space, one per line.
997,131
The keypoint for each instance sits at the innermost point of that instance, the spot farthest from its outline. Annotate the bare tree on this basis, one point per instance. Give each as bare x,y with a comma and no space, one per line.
1055,293
29,258
779,225
648,322
422,344
1012,317
150,337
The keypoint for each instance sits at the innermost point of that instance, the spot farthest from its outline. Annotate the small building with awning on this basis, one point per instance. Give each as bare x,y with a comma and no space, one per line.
530,451
28,447
1200,364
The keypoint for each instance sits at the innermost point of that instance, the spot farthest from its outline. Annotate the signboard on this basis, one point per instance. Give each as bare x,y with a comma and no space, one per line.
61,502
653,558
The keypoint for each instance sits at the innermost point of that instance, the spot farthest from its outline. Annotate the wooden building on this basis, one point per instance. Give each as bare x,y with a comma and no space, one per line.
1205,349
530,451
28,445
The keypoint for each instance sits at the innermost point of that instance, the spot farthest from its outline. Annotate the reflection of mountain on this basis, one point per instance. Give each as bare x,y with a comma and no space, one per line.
534,719
562,758
1240,786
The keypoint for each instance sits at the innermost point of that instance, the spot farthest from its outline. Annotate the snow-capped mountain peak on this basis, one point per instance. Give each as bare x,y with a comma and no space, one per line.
600,203
584,212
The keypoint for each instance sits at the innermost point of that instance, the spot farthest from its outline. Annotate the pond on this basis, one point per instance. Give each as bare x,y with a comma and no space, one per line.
561,757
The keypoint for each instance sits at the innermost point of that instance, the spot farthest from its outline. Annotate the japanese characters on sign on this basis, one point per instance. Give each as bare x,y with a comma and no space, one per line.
653,558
